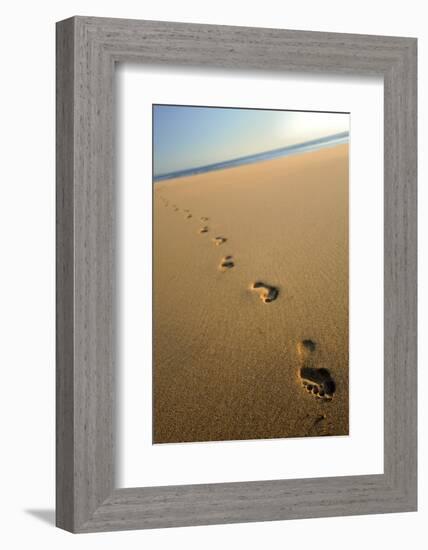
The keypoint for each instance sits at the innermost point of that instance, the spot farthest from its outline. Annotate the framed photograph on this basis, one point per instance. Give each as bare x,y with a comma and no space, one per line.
250,193
236,274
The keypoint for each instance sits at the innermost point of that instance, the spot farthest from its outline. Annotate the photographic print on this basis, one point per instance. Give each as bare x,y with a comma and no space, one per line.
250,273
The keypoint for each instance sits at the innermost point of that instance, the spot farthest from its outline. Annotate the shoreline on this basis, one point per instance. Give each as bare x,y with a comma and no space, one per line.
282,152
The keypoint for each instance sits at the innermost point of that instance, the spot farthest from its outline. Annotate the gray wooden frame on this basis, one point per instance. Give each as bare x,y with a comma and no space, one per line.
87,50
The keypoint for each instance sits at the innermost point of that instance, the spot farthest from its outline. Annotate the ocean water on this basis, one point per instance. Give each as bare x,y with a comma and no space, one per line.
313,145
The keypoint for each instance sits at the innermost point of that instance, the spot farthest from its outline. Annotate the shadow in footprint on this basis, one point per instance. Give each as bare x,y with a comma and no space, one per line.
227,263
317,381
204,229
219,240
267,293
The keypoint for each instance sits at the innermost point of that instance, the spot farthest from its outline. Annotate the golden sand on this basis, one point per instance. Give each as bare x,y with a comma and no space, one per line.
251,301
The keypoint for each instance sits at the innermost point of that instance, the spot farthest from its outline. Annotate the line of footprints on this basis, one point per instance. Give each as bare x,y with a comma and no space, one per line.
267,293
316,381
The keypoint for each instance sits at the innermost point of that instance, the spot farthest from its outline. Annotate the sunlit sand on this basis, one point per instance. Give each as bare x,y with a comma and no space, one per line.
251,301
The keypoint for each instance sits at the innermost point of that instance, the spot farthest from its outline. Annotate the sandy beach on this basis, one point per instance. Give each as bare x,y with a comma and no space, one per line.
251,301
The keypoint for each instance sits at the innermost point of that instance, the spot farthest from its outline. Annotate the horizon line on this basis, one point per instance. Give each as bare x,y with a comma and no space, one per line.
252,158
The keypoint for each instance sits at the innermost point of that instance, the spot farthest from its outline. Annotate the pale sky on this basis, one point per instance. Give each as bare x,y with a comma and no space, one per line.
188,137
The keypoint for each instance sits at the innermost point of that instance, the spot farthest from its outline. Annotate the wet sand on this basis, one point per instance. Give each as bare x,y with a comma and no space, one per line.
251,301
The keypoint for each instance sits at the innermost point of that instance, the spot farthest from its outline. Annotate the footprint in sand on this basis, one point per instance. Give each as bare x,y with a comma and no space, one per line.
189,216
219,240
267,293
204,229
204,219
317,381
227,263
